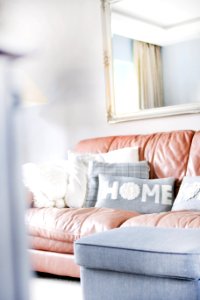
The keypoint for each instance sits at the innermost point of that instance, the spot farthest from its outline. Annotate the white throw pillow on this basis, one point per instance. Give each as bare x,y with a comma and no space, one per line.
78,175
64,183
77,184
188,197
123,155
56,184
48,182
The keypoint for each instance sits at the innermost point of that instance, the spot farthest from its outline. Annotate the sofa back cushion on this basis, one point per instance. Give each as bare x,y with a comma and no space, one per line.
193,167
170,154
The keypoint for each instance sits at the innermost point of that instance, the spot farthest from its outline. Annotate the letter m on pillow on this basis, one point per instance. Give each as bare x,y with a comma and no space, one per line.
153,191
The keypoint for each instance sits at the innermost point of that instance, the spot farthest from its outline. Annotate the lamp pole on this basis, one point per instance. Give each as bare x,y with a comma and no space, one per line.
14,267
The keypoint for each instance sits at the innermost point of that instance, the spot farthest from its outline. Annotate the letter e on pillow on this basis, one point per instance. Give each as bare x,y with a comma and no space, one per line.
166,194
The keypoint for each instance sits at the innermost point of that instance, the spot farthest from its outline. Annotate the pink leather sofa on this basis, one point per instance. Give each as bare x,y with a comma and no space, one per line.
52,231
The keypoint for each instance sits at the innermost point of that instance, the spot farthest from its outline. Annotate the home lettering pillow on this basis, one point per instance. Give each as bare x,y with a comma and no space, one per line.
139,169
188,197
141,195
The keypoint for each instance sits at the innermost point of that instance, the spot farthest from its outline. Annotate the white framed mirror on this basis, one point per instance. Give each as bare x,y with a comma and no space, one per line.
169,28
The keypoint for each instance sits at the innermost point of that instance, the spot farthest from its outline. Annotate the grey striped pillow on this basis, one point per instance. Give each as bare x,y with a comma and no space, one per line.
139,170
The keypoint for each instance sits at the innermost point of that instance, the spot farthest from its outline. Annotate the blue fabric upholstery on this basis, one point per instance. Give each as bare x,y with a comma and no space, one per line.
148,251
140,264
108,285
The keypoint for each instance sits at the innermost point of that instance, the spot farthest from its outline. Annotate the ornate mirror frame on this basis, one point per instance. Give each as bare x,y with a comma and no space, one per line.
112,117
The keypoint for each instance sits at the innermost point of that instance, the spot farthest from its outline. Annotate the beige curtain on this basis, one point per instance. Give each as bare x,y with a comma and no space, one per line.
147,59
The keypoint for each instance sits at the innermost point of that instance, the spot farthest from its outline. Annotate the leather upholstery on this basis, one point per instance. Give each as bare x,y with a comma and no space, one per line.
53,231
54,263
47,244
194,157
168,153
177,219
61,227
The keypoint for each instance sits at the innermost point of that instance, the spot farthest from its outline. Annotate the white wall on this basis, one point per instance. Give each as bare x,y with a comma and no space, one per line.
181,76
71,74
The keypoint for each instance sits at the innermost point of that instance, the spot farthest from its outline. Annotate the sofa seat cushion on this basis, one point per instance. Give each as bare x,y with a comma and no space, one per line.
162,252
177,219
40,243
69,224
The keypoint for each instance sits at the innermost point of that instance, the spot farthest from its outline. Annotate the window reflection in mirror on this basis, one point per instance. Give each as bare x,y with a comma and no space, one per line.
125,82
176,87
180,65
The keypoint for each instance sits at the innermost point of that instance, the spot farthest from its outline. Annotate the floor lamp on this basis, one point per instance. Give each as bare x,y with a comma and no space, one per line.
14,266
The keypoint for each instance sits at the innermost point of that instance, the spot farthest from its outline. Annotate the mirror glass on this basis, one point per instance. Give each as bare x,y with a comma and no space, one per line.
151,58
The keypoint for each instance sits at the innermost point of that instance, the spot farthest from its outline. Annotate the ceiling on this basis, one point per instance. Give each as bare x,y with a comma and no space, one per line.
166,21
